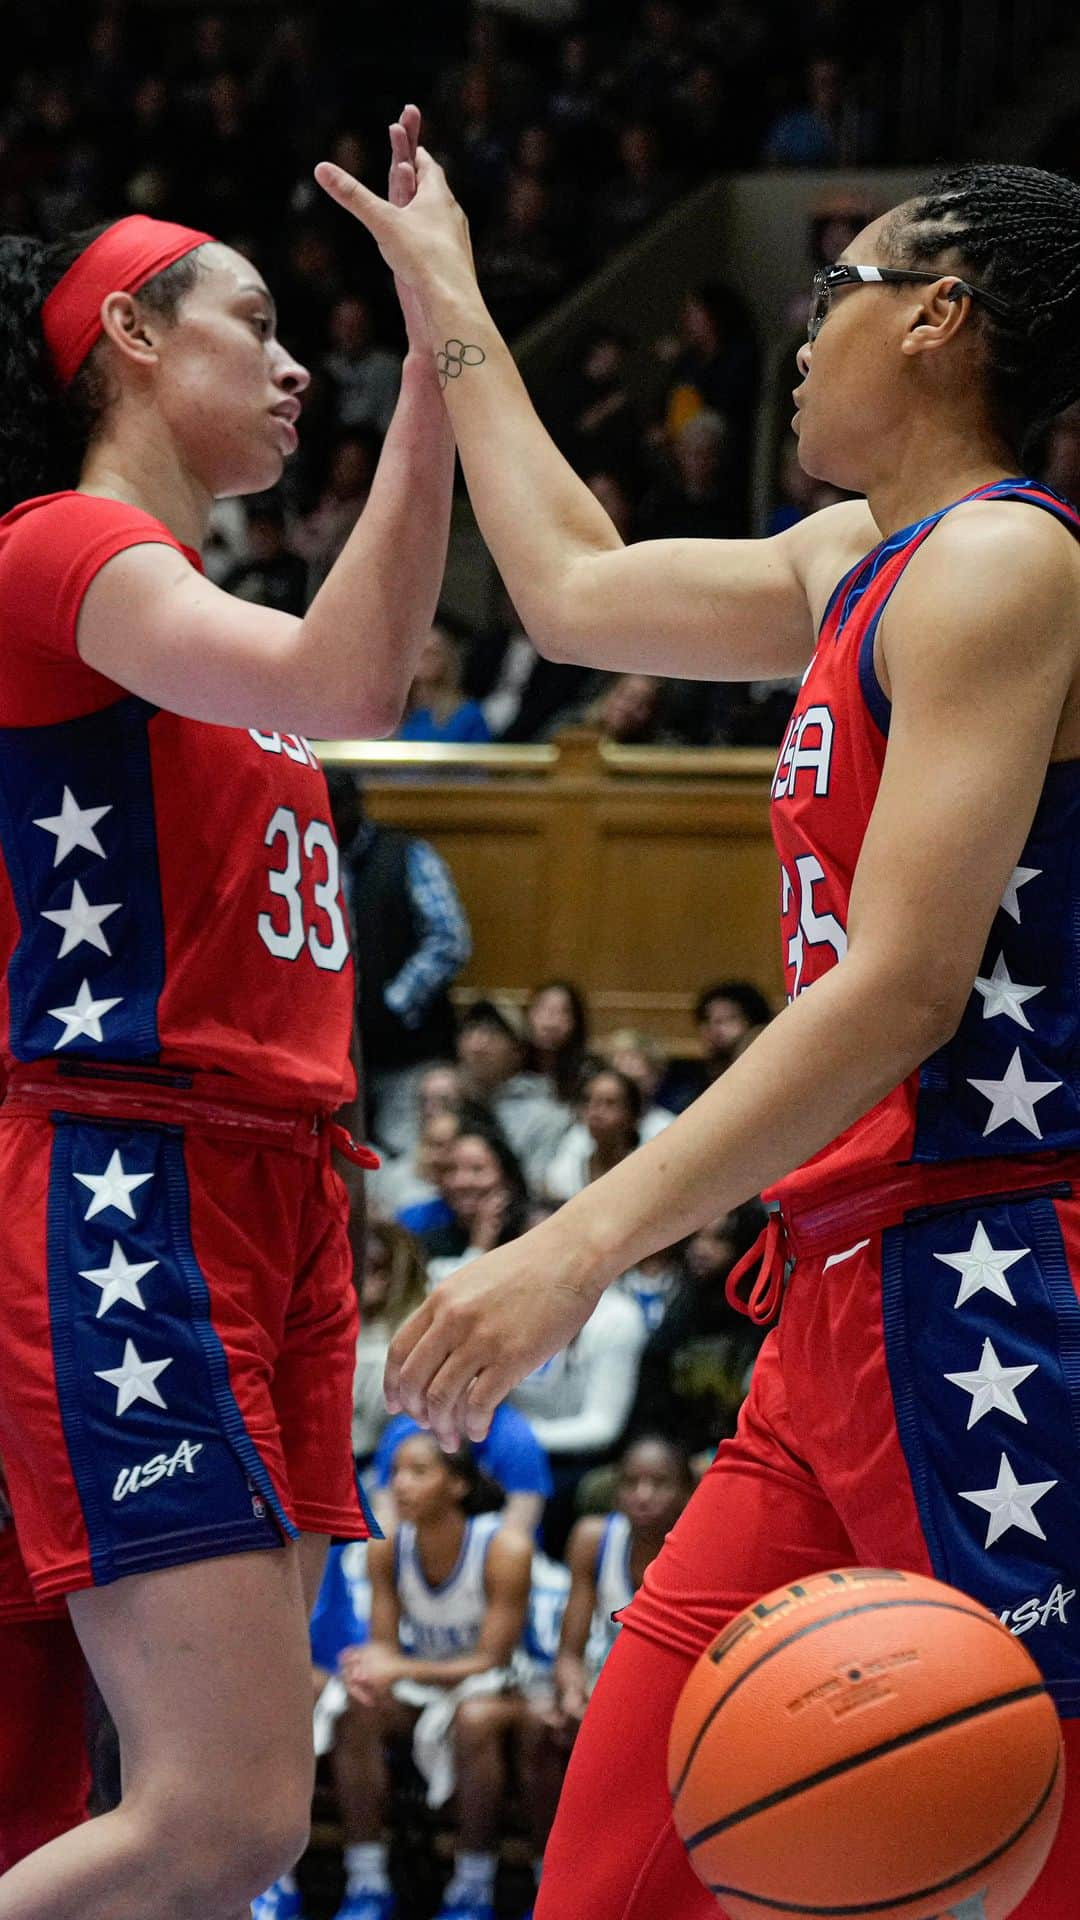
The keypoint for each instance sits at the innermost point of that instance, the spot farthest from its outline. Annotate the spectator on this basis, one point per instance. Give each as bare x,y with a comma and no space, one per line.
392,1286
510,1454
270,573
715,366
578,1402
487,1197
628,711
696,1366
491,1050
639,191
520,692
557,1021
824,131
652,1285
438,710
441,1086
608,1556
698,499
727,1016
411,939
642,1060
520,261
363,377
573,106
449,1593
410,1188
599,431
608,1130
321,535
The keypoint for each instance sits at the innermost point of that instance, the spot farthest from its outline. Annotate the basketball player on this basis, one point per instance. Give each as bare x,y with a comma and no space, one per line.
917,1116
177,1315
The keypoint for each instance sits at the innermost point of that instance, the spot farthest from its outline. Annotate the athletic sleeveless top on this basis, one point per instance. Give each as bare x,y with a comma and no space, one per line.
168,889
1008,1082
438,1623
614,1589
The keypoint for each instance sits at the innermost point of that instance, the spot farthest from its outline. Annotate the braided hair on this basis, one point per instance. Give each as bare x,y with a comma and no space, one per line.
1016,232
45,429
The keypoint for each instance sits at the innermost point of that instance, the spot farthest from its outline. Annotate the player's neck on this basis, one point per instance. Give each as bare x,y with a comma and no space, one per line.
146,474
934,464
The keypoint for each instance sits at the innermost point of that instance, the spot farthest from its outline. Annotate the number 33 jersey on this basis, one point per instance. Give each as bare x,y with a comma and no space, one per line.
1008,1082
169,889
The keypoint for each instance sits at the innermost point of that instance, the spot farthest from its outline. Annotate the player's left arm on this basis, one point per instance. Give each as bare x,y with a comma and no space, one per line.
980,643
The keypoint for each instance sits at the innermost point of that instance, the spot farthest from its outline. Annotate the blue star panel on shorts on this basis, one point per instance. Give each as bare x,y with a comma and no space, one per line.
982,1332
158,1445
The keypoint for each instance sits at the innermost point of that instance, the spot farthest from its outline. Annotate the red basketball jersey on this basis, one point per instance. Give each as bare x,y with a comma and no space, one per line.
169,889
1009,1080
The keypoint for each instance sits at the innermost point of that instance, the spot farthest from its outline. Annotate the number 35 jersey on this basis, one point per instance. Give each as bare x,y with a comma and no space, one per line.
1008,1082
168,889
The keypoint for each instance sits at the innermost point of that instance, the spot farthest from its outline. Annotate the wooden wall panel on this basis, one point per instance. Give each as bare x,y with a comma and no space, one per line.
641,875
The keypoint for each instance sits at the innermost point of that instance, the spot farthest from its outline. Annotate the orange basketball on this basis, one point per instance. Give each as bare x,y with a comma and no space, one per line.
866,1743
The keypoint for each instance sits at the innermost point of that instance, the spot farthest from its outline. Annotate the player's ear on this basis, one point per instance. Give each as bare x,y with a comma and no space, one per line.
129,328
940,316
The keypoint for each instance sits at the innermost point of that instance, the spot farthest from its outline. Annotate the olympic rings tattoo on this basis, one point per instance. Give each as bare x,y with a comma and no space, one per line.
454,356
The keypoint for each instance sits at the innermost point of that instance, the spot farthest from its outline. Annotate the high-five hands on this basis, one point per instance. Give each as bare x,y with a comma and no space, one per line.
420,230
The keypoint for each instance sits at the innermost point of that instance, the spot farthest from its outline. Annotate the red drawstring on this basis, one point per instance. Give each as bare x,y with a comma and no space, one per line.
342,1142
761,1303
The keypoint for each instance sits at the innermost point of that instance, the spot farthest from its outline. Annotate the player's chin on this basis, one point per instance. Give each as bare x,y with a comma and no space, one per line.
814,453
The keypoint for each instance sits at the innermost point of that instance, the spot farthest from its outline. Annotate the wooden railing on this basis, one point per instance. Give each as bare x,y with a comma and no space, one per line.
641,873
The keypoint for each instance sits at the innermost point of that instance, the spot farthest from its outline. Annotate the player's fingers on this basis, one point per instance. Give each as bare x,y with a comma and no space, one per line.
353,196
446,1399
411,121
401,1347
419,1369
482,1396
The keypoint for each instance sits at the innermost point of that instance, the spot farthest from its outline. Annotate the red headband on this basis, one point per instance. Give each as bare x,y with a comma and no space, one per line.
120,260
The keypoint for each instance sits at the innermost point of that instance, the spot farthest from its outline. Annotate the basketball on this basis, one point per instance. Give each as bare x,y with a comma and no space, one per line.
866,1743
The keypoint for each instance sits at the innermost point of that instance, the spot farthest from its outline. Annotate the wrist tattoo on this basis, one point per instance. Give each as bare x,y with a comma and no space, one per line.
454,357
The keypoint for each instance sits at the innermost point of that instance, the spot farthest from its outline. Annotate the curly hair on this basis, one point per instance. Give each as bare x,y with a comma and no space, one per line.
1016,232
45,429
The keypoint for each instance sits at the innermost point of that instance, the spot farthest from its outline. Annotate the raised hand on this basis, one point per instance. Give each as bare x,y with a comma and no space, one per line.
422,239
404,139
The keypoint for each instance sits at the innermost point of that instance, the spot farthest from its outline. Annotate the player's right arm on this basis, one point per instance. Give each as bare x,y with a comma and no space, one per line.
698,609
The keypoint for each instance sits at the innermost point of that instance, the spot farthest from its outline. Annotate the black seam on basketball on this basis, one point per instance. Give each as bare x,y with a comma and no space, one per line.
904,1899
853,1761
817,1626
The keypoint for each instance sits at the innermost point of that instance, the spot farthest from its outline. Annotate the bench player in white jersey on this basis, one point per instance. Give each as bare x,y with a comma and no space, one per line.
449,1592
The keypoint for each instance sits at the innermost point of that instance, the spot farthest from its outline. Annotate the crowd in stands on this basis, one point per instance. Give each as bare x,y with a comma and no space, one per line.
566,129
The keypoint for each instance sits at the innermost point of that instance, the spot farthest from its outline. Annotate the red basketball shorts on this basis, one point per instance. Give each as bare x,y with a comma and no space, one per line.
917,1407
177,1331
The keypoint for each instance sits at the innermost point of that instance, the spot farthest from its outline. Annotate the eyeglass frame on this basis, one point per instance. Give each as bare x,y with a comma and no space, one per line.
843,274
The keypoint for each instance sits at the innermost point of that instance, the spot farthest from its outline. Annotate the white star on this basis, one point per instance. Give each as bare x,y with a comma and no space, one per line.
81,921
993,1387
1002,995
119,1280
135,1379
1020,878
1014,1098
74,827
113,1188
983,1265
84,1017
1010,1504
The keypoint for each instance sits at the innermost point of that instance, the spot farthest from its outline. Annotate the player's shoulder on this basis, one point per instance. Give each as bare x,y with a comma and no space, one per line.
1006,552
827,545
51,520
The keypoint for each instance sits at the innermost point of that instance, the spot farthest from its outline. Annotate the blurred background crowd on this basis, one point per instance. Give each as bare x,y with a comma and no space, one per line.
568,130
